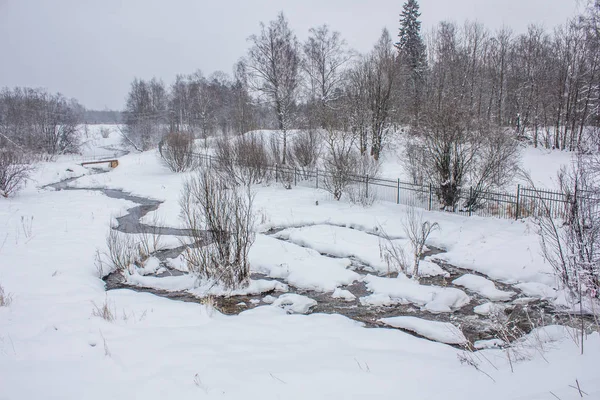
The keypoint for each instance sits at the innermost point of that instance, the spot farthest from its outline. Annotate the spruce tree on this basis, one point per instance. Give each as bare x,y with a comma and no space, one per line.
410,44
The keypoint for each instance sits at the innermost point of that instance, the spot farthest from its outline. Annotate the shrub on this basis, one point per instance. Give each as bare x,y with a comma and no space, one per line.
14,171
223,217
243,160
177,151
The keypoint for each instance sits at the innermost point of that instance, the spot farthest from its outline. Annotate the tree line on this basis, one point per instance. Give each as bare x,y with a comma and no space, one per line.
543,85
35,121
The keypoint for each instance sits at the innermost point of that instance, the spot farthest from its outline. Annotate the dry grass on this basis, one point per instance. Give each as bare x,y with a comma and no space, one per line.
104,311
126,250
121,250
5,298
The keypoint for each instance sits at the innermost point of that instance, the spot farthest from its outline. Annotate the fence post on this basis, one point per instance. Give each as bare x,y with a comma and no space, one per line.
518,201
470,200
367,185
398,193
430,196
275,172
295,178
317,178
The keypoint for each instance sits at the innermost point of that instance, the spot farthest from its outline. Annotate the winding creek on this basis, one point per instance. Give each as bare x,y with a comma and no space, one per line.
522,314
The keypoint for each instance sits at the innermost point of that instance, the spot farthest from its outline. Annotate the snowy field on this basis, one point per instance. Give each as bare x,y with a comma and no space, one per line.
53,346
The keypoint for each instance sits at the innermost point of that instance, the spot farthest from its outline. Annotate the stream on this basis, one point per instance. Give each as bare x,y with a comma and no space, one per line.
519,315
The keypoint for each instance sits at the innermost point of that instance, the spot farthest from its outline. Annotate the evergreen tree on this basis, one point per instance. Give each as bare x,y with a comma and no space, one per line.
410,44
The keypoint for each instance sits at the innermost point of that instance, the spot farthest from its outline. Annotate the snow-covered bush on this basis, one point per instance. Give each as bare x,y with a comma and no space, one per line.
220,220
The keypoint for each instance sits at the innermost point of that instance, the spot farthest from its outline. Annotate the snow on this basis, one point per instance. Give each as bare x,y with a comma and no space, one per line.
488,344
429,268
343,294
443,332
402,290
538,290
543,165
483,286
168,283
301,267
190,284
488,308
341,241
294,303
269,299
51,346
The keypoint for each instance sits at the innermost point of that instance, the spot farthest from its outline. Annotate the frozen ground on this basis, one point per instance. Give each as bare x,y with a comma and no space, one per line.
52,346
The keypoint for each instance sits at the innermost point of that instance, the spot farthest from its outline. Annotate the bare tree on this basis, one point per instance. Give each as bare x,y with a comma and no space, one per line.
220,220
14,171
495,163
340,162
325,56
273,67
356,115
146,114
446,138
177,151
381,80
39,122
243,108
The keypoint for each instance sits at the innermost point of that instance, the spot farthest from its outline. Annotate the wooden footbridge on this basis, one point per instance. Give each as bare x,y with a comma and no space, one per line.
114,163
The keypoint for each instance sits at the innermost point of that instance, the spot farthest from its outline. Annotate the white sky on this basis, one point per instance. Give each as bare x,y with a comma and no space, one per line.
92,49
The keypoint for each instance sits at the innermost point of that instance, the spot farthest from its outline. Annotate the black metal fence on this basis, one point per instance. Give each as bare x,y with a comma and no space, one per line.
523,202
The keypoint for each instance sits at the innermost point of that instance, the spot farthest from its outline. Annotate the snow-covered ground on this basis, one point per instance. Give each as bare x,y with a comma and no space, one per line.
542,165
53,346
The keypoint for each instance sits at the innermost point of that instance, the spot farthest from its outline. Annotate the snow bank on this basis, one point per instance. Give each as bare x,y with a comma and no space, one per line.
342,242
483,286
488,308
294,303
429,268
443,332
402,290
538,290
343,294
300,267
489,344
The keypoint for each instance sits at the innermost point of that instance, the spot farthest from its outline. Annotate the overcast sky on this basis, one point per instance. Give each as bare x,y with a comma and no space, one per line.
92,49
